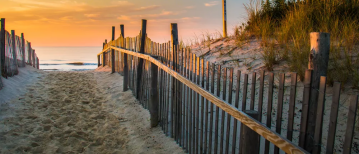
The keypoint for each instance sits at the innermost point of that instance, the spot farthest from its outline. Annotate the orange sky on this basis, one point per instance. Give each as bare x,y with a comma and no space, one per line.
89,22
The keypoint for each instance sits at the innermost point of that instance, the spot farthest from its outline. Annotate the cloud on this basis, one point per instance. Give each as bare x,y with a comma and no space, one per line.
189,7
213,3
91,15
149,16
190,18
42,3
66,18
152,7
123,17
122,3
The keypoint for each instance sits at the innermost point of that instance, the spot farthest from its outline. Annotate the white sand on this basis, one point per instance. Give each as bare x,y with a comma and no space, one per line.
78,112
16,85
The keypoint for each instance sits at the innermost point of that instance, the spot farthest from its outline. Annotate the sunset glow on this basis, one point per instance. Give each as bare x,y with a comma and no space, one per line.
89,22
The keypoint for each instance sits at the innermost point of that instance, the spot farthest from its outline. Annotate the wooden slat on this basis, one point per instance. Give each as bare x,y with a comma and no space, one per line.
260,95
178,100
249,138
211,111
349,133
319,118
191,106
244,97
179,96
154,101
162,89
183,109
197,104
236,104
173,94
184,100
167,90
188,66
293,90
333,118
269,108
305,110
202,107
160,92
163,80
217,110
224,97
228,130
268,134
280,107
253,90
206,112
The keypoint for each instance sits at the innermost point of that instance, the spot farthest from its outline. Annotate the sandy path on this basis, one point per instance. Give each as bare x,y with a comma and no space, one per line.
79,112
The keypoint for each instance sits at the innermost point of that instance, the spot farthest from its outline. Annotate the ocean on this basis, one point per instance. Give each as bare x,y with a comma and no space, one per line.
67,58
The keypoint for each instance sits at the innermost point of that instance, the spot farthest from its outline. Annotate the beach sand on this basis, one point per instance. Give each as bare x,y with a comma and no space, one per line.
78,112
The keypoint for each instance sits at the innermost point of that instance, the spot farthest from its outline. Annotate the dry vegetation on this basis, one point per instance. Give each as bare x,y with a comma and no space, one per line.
284,26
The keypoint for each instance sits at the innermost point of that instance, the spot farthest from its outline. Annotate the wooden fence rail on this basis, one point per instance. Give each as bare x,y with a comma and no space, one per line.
198,103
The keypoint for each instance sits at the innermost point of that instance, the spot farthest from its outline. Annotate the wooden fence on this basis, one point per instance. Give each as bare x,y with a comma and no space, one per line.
15,52
208,108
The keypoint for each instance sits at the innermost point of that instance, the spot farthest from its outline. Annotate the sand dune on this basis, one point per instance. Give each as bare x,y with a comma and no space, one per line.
79,112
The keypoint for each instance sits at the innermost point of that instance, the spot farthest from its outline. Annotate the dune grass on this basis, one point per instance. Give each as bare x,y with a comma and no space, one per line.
288,24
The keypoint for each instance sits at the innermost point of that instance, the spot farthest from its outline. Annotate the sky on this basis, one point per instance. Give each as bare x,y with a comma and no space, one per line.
89,22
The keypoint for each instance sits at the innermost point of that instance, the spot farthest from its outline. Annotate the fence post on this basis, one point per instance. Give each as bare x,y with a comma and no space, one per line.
123,44
154,103
38,63
113,51
23,49
99,56
33,58
318,62
125,63
175,83
104,55
98,60
140,60
29,50
2,48
224,9
249,138
14,53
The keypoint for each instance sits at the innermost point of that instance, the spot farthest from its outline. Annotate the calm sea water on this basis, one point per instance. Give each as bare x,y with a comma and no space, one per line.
60,58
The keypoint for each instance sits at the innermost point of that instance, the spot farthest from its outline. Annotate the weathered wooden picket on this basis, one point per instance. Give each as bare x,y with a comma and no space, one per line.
179,88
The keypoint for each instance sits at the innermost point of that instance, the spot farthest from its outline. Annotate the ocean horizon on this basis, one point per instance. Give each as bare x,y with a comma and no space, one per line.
79,58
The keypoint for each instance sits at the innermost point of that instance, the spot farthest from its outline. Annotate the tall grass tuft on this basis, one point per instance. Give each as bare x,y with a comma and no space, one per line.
240,35
289,23
270,56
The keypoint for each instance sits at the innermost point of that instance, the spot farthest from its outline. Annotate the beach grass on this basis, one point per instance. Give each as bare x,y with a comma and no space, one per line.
288,24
